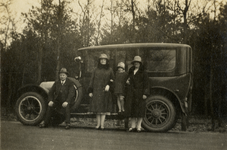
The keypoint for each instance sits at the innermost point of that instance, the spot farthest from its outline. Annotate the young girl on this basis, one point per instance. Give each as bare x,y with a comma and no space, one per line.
119,88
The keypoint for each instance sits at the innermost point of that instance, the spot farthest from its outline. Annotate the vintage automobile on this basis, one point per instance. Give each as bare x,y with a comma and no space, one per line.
168,65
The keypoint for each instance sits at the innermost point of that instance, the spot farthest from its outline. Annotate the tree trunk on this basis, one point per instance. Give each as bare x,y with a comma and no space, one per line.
8,104
59,40
206,98
40,56
133,19
58,59
99,24
211,94
185,21
23,73
111,25
40,60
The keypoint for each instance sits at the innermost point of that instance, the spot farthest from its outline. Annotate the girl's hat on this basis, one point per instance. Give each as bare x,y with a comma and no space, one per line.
137,59
121,65
64,70
103,56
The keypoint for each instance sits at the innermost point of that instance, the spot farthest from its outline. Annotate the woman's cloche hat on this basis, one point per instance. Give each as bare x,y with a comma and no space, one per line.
64,70
137,59
121,65
103,56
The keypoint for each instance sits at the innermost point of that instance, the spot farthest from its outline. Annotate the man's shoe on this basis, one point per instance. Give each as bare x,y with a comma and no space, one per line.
67,126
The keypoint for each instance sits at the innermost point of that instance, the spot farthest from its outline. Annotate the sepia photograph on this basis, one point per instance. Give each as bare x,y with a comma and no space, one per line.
113,74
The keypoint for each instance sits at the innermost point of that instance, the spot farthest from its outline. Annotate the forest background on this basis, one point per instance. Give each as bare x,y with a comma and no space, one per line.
54,29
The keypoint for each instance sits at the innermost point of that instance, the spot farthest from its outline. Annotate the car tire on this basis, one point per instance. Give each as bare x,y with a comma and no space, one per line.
31,108
78,93
160,114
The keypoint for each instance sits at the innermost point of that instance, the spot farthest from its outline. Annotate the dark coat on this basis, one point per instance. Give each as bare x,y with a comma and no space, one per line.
135,105
120,82
101,102
62,93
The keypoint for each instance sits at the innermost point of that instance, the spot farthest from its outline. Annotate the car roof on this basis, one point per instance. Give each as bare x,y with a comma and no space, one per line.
135,45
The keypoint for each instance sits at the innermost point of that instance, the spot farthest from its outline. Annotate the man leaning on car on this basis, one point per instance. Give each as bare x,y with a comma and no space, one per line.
60,97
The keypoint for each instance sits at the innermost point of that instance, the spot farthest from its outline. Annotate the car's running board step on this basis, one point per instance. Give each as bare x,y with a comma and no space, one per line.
90,114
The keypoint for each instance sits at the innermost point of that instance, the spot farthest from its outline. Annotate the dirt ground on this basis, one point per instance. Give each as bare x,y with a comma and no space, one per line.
196,123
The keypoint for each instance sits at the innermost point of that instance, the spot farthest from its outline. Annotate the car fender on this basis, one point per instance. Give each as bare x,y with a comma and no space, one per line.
168,91
33,88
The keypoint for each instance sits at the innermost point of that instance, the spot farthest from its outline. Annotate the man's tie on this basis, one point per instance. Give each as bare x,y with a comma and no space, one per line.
62,82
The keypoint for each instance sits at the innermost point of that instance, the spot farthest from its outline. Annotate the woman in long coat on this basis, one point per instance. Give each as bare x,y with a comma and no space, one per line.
137,92
99,90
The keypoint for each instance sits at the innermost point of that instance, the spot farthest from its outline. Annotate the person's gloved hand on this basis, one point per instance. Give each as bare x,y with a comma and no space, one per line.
107,88
144,97
65,104
128,82
90,95
51,103
122,97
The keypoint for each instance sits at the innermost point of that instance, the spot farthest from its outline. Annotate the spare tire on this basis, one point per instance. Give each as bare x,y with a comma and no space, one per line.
78,93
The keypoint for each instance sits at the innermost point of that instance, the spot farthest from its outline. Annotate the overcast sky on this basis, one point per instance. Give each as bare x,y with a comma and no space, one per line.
19,6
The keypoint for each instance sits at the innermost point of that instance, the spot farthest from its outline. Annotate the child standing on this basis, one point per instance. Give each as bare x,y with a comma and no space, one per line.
119,87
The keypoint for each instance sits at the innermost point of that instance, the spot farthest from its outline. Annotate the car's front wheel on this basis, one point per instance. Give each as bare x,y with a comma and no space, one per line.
31,108
160,114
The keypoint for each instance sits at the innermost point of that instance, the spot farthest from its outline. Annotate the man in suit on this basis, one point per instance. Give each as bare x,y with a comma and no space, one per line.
60,97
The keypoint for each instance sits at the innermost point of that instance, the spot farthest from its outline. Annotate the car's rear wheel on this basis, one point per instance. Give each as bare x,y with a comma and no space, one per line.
31,108
160,114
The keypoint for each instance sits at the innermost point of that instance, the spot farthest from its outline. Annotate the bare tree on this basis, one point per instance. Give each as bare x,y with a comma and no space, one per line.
7,22
86,25
59,21
40,56
133,18
184,11
99,23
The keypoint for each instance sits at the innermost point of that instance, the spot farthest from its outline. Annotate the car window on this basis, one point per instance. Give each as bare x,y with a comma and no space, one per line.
160,60
153,59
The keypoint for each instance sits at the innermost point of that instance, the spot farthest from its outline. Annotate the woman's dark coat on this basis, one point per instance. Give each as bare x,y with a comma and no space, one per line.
119,83
101,102
135,105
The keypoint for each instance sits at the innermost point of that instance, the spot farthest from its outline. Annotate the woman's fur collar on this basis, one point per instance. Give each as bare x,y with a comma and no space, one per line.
107,66
141,69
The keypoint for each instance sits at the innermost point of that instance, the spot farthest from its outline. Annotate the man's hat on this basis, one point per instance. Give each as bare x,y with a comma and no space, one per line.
64,70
